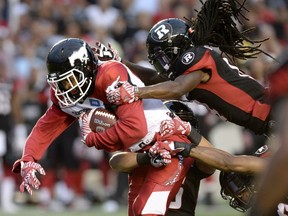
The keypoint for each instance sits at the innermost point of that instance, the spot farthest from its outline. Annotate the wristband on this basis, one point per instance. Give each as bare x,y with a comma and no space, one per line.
142,159
194,136
186,146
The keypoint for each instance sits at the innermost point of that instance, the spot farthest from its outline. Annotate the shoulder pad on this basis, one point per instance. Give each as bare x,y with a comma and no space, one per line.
189,58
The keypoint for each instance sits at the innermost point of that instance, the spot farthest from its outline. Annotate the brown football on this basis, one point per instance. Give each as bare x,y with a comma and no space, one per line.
101,119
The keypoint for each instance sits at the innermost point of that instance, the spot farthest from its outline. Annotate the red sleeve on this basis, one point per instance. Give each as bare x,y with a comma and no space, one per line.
130,128
47,129
131,125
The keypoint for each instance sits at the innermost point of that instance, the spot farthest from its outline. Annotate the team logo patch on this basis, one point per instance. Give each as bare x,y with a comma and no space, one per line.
80,54
187,58
95,102
161,32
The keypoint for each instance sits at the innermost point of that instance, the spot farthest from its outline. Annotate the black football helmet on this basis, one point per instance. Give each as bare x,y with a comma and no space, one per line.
240,188
182,110
72,69
166,41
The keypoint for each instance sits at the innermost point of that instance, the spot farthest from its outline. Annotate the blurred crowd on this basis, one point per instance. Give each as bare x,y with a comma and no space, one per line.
77,176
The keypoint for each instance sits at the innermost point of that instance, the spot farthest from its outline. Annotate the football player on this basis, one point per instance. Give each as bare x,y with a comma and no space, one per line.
186,199
183,53
78,83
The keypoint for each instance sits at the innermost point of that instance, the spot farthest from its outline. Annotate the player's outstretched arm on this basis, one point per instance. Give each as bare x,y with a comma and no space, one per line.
227,162
172,89
164,90
28,172
201,149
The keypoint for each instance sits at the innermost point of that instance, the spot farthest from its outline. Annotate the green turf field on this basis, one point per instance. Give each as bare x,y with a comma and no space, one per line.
218,210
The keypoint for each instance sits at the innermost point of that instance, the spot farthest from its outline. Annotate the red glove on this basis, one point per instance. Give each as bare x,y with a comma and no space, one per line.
104,53
28,170
162,149
123,93
174,126
84,126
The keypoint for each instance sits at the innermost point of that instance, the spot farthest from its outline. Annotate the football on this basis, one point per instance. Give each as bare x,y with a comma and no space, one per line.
101,119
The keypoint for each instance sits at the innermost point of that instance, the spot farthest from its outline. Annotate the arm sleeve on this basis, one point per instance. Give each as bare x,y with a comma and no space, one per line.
131,125
130,128
47,129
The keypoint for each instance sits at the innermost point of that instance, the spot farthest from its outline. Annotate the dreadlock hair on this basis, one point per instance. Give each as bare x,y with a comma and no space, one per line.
215,26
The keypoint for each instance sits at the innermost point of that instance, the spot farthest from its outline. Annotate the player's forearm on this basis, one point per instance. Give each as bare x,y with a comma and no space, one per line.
127,161
226,162
247,164
210,156
123,162
131,121
47,129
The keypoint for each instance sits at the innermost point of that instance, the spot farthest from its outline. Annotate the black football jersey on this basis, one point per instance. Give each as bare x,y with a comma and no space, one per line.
233,95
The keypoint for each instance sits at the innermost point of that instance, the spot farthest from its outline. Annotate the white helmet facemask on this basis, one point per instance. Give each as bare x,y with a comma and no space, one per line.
70,87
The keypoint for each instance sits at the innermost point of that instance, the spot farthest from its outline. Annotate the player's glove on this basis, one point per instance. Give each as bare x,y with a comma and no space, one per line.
84,126
174,126
174,148
123,93
160,147
282,209
162,158
28,173
104,53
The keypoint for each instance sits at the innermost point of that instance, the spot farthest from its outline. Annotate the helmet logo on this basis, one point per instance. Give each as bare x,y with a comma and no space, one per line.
80,54
188,58
161,32
261,150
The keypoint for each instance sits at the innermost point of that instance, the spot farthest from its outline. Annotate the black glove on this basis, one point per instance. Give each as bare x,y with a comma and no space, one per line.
186,148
